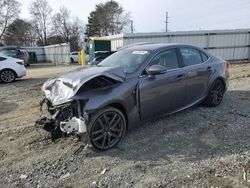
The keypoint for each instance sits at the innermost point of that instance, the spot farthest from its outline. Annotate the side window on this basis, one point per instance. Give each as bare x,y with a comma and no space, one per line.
204,57
191,56
167,58
9,53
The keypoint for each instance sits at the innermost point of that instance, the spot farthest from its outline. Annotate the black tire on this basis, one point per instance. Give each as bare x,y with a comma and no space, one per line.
72,60
7,76
106,128
215,94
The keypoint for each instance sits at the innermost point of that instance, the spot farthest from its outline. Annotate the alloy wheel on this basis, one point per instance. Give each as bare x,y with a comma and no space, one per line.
217,93
7,76
107,130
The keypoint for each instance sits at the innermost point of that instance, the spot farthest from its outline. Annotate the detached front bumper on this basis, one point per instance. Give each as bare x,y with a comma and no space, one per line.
68,118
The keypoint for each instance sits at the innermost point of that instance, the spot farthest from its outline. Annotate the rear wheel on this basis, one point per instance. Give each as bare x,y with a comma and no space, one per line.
215,95
72,60
106,128
7,76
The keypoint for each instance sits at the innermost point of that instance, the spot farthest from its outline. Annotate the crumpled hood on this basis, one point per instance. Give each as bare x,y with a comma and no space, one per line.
60,89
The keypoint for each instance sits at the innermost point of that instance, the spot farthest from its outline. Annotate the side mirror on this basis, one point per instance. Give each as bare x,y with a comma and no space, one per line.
156,69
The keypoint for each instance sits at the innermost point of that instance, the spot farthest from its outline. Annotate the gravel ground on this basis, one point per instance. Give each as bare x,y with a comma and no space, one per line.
199,147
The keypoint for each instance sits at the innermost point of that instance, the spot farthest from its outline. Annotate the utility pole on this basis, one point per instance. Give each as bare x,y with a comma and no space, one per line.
166,22
132,26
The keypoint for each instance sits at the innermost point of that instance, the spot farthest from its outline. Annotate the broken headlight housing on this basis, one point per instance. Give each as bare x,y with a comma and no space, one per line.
67,118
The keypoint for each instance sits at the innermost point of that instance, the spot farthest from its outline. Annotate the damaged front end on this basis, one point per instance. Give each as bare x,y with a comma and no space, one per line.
66,119
67,114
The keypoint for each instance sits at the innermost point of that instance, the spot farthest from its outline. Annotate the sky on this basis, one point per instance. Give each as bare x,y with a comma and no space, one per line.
150,15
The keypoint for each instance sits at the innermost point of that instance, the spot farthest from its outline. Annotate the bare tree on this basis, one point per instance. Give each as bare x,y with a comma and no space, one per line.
9,11
41,11
68,29
62,23
77,34
32,34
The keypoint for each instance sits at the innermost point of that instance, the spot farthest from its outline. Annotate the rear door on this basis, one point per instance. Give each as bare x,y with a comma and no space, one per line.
164,93
198,71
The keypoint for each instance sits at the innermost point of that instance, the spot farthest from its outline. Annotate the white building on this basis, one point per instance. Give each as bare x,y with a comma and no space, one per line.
227,44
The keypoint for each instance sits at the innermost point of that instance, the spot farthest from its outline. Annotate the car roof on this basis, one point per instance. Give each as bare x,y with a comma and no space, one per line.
154,46
9,47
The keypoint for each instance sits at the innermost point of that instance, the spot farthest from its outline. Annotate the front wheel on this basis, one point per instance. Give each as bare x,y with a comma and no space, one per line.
215,94
106,128
7,76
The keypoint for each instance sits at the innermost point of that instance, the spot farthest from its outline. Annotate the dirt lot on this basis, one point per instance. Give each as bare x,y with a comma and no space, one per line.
199,147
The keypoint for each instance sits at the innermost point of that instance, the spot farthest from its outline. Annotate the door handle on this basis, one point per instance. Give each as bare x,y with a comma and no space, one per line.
192,74
180,77
209,69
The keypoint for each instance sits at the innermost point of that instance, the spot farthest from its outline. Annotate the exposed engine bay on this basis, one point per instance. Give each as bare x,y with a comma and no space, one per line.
67,119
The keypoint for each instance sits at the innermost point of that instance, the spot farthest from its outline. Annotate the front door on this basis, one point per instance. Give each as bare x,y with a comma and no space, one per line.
164,93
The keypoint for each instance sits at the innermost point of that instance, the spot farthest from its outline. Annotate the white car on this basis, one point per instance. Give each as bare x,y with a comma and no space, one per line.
11,68
73,57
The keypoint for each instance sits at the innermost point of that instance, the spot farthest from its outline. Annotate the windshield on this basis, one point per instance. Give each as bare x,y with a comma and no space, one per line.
129,59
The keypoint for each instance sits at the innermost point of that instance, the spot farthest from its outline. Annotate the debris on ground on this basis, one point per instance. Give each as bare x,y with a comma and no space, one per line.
23,176
104,171
65,176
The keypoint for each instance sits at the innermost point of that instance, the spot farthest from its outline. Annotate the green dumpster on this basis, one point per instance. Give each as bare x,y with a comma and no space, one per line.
96,45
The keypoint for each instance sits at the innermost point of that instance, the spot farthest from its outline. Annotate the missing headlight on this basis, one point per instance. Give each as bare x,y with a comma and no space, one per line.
67,118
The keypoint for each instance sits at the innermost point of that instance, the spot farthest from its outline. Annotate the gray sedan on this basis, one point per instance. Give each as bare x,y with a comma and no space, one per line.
135,84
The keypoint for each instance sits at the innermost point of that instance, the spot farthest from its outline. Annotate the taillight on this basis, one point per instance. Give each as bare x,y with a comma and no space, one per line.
20,62
227,66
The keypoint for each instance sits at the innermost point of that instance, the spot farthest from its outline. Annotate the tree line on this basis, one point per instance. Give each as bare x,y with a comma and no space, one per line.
46,28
